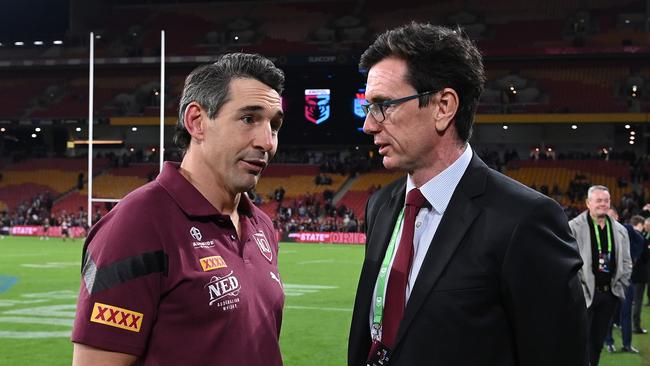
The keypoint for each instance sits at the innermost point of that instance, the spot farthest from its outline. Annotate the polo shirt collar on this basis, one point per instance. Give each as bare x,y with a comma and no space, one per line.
188,198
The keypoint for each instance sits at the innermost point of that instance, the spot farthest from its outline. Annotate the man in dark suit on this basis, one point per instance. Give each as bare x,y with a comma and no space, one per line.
488,272
639,273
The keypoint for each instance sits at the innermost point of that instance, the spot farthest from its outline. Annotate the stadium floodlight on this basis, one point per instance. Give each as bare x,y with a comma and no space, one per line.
631,142
134,128
632,138
78,129
19,43
3,129
505,127
574,127
58,42
38,43
33,135
37,129
632,133
627,127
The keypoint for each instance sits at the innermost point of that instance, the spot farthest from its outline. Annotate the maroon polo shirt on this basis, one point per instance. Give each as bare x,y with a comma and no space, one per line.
166,278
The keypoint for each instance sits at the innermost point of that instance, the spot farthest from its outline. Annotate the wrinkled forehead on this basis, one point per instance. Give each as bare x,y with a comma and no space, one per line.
254,92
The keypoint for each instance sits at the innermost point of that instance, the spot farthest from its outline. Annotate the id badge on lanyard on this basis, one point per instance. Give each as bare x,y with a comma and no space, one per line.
379,353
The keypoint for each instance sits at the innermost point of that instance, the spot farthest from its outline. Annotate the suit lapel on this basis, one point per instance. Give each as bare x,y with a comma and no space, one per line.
381,233
455,222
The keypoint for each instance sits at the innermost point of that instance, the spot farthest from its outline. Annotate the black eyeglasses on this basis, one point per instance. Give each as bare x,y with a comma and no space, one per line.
378,109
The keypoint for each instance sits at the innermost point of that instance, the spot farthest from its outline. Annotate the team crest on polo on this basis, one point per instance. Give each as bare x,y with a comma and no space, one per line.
224,291
263,244
317,105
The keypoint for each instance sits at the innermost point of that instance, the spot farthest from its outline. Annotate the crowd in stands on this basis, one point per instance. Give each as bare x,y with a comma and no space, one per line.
313,213
38,212
345,162
317,212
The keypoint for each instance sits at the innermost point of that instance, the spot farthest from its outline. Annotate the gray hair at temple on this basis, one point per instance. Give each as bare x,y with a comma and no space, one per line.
209,85
596,188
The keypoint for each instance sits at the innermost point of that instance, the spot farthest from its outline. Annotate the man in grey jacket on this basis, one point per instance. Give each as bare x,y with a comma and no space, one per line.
605,249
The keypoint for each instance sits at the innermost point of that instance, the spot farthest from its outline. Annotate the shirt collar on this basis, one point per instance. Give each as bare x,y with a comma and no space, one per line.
188,198
439,189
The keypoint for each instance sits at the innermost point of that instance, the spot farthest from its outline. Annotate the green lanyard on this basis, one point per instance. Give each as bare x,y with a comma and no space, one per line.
381,278
609,236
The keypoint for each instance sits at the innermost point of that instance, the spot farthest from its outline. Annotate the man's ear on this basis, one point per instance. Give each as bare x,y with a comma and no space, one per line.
194,120
446,111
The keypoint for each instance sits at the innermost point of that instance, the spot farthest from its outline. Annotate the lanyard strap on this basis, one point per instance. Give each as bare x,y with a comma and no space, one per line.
609,236
383,272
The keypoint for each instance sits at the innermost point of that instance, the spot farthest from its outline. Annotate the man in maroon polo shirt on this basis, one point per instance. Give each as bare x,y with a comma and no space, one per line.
184,271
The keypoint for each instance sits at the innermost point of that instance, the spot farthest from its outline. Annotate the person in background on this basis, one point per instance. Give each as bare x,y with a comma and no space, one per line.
605,275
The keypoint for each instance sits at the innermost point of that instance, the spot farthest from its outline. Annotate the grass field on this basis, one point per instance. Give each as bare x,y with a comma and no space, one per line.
39,281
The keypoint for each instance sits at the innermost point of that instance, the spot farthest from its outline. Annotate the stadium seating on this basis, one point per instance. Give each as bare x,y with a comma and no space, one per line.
562,172
357,195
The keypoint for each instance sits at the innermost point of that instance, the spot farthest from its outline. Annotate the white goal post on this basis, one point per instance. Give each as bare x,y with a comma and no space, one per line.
91,82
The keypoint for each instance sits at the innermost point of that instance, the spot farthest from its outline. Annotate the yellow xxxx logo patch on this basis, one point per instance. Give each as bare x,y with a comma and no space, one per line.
116,317
214,262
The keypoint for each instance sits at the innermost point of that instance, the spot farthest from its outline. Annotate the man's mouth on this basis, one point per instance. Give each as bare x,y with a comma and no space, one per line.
256,165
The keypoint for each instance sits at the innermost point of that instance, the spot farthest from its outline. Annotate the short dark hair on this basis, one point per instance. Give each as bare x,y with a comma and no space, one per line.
636,220
437,57
208,85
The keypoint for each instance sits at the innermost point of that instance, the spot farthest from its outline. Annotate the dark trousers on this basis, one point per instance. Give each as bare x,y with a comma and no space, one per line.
625,319
599,317
637,305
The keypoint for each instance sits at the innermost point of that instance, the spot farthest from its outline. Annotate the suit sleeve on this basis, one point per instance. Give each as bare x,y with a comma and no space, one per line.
541,289
627,260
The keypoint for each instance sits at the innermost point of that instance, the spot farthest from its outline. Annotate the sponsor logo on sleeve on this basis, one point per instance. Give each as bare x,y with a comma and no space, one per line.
211,263
116,317
263,244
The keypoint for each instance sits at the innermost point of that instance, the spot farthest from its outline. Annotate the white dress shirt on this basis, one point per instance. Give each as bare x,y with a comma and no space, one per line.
438,191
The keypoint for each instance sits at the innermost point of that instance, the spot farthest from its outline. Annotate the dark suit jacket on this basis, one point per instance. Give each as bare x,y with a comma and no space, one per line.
639,252
498,286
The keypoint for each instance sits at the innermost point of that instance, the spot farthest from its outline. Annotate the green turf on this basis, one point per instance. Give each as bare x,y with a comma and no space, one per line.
319,280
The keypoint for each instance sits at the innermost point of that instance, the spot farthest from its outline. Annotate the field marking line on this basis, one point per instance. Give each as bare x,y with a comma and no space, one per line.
31,335
316,261
44,321
57,311
316,308
7,303
311,287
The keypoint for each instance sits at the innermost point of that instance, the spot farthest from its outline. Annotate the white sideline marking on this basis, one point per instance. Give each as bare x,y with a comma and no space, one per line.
6,303
32,335
317,287
51,295
317,261
26,320
52,265
291,289
316,308
57,311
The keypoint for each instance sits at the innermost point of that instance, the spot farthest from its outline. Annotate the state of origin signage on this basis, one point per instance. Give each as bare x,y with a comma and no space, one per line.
317,105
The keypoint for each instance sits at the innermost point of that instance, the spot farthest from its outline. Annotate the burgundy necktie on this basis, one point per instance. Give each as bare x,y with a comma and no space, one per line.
396,290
